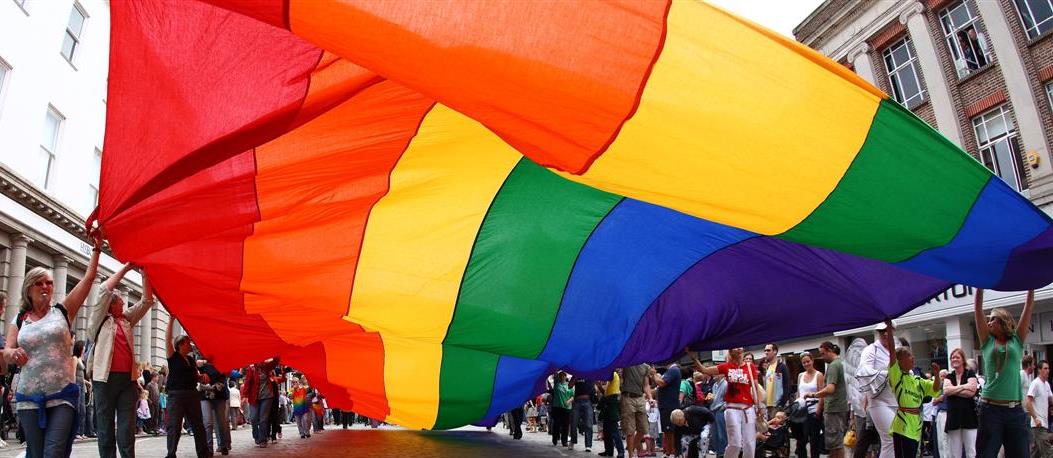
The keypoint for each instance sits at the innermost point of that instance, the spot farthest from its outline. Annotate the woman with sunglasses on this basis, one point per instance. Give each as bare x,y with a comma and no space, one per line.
41,342
1003,422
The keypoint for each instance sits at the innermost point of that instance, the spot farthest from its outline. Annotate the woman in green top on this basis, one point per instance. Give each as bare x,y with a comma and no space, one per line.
560,399
909,390
1003,422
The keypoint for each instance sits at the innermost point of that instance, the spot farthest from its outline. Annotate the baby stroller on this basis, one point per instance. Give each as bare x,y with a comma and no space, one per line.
776,443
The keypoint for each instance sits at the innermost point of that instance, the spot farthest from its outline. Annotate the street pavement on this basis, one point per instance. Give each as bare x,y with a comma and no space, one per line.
361,441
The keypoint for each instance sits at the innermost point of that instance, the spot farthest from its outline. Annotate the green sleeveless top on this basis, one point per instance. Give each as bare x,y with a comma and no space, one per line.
1002,369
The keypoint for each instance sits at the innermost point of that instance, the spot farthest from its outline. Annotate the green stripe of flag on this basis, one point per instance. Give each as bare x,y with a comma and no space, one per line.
908,183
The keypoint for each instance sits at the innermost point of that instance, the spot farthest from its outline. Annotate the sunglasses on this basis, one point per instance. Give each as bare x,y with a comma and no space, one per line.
43,283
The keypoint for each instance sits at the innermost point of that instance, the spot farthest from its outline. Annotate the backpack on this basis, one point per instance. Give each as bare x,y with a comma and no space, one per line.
692,398
700,394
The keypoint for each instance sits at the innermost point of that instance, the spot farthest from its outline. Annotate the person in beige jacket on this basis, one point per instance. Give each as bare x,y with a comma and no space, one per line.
111,365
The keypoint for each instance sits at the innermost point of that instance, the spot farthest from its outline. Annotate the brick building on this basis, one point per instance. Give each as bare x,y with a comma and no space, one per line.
980,72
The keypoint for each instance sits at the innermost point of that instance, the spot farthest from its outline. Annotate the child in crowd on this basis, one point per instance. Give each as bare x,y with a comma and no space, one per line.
910,390
531,415
142,411
777,439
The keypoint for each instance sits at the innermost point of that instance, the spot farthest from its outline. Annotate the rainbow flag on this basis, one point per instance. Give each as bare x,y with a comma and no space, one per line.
429,207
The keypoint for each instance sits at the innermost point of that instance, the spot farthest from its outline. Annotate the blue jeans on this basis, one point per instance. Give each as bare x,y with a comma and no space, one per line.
51,441
260,412
1002,426
582,408
719,442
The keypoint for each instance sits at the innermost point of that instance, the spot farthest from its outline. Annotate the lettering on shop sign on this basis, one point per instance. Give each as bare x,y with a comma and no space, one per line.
954,292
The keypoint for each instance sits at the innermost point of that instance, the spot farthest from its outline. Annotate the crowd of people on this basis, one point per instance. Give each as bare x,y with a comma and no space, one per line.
887,407
56,389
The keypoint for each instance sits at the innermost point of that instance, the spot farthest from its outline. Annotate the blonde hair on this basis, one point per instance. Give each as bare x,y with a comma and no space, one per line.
1008,322
32,277
677,417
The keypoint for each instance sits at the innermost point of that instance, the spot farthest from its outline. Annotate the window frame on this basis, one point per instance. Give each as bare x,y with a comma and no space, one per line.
21,4
5,76
77,38
1036,27
93,185
1049,92
954,45
52,153
915,100
1011,135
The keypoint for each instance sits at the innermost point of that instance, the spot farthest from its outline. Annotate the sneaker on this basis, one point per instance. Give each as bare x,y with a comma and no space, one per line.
588,450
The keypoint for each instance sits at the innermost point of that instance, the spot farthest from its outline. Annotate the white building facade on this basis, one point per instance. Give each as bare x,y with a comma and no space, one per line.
981,72
54,57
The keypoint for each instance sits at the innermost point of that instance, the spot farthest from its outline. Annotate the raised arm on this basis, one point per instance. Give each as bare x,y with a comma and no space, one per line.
887,340
708,370
1024,327
75,298
169,345
111,283
978,315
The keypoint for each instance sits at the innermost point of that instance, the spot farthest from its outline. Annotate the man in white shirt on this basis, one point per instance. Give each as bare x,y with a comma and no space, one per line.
1038,402
872,375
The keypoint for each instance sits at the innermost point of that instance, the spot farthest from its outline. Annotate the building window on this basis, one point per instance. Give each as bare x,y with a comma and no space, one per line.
1037,16
49,145
93,185
5,69
968,46
902,67
73,31
1049,94
999,146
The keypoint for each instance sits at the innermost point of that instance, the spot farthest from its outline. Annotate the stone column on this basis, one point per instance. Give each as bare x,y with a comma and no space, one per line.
935,79
861,62
960,335
61,271
146,337
18,275
82,317
1029,122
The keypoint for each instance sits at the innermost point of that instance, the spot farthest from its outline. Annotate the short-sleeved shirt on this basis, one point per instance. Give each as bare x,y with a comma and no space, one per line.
838,400
740,383
1002,372
182,373
562,394
909,390
50,366
584,388
633,379
669,395
1039,390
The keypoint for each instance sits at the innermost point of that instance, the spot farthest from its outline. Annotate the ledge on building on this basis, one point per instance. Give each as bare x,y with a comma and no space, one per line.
25,193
